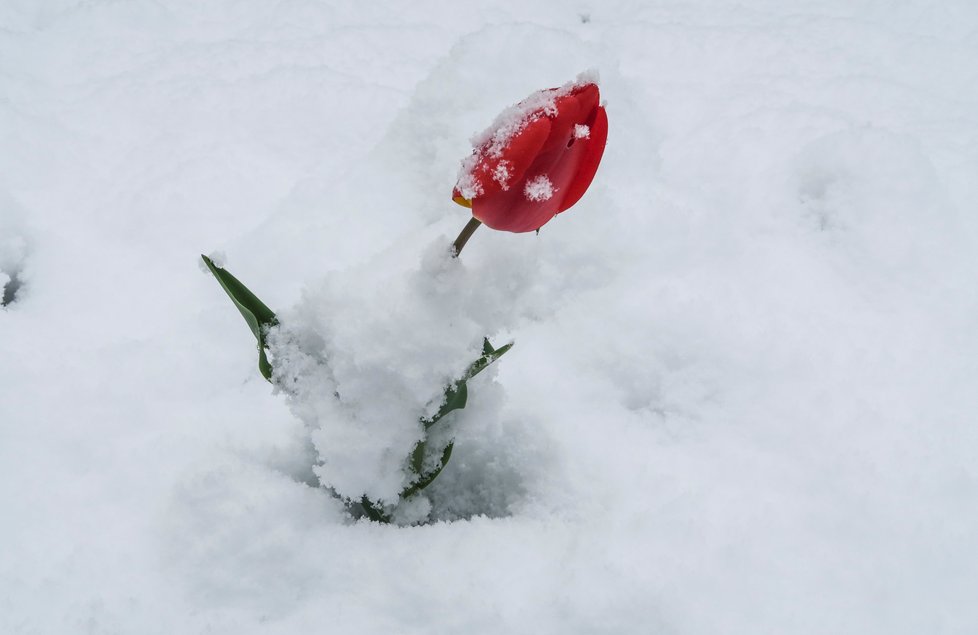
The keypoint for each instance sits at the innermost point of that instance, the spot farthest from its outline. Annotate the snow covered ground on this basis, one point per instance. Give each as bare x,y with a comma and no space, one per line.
743,393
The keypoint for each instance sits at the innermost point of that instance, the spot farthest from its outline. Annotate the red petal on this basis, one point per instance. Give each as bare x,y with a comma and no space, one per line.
547,147
518,154
587,97
511,211
524,147
593,148
562,124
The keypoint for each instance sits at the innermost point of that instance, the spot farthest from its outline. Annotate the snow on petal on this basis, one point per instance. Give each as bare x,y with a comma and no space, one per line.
539,188
502,174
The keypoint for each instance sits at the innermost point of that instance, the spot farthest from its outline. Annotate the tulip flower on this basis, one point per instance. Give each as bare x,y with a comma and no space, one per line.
535,161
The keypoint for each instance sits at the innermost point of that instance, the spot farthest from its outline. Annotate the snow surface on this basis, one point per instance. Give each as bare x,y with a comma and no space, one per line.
742,397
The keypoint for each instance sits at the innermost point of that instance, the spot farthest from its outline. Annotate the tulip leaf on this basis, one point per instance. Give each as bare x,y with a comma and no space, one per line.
417,457
456,396
427,480
372,512
258,316
489,355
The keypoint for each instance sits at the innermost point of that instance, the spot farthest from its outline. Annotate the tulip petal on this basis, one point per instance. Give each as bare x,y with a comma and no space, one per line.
523,149
512,211
520,183
516,211
587,97
562,124
593,149
496,171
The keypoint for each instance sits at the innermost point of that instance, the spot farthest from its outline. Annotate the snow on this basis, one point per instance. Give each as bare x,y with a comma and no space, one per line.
13,251
502,174
741,398
368,352
539,188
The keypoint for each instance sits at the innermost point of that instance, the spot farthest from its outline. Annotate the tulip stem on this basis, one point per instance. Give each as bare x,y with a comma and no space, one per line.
463,237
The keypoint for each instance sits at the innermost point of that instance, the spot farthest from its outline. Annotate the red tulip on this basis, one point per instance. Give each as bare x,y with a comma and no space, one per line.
537,159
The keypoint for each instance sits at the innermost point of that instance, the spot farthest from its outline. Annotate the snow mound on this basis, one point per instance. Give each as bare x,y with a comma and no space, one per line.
369,351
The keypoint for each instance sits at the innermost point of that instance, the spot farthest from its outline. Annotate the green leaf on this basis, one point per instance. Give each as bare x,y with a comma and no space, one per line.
417,456
456,397
427,480
489,355
258,316
372,512
457,394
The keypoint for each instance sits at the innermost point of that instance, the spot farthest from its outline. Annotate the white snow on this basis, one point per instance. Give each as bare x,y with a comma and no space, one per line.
502,174
538,188
468,185
742,396
581,131
369,351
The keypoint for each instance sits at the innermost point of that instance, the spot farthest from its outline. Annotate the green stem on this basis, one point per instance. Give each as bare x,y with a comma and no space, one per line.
463,237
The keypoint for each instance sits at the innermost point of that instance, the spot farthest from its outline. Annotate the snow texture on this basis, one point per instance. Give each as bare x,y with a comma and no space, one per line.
502,174
368,353
539,188
742,396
